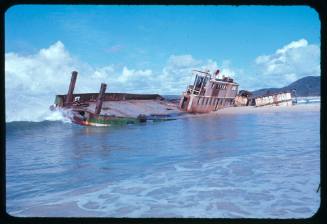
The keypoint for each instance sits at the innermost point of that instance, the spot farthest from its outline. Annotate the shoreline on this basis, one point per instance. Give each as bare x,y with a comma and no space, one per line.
314,107
263,109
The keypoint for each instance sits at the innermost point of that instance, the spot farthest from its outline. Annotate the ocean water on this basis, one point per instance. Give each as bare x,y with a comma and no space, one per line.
257,165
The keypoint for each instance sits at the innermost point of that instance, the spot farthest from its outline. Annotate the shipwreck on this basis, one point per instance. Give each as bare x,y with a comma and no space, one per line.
106,109
274,99
209,92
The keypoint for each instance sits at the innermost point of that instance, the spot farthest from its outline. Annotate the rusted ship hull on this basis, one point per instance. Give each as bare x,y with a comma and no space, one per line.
208,93
86,118
201,104
90,119
276,99
107,109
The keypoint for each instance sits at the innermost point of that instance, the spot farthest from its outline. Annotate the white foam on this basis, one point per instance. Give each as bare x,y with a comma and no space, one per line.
58,115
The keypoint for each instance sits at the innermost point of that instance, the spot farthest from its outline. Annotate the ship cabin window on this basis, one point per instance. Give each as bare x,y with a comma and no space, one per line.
199,80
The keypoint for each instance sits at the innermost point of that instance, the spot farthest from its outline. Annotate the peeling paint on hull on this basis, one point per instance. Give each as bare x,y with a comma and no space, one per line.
90,119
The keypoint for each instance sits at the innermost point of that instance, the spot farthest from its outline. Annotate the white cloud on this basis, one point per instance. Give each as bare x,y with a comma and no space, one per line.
289,63
33,81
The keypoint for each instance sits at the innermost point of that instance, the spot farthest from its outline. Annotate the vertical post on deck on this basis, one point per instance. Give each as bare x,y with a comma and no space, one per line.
100,98
69,97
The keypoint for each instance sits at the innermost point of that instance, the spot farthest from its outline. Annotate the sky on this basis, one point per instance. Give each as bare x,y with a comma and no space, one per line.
152,49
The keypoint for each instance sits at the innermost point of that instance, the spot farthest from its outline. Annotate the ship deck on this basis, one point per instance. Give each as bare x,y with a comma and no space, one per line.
133,108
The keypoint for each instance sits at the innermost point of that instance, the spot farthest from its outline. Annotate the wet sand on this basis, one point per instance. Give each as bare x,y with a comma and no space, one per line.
267,109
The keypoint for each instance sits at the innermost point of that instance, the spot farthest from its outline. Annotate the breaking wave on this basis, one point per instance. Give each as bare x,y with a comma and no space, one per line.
58,115
40,116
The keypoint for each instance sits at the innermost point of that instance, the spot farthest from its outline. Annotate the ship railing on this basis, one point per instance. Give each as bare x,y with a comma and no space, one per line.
191,89
194,91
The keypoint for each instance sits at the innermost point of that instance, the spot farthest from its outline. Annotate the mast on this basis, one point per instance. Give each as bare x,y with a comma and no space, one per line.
69,97
99,101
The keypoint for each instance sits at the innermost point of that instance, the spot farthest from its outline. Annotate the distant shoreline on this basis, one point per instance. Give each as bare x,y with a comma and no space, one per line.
306,97
177,97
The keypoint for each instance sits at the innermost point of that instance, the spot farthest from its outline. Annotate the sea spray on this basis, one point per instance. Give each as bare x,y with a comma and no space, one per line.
43,114
58,115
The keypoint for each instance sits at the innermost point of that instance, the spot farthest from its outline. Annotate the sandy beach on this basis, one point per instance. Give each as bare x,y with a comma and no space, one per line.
264,109
253,109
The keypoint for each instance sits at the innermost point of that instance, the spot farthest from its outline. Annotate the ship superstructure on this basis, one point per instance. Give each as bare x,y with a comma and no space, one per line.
209,92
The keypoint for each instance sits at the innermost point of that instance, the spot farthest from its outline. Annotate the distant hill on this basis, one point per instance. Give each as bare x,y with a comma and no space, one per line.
307,86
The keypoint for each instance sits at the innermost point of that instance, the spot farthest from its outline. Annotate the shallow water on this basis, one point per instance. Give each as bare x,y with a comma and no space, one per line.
263,165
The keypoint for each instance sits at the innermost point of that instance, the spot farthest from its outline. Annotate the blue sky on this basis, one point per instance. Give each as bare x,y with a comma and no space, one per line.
154,48
152,33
